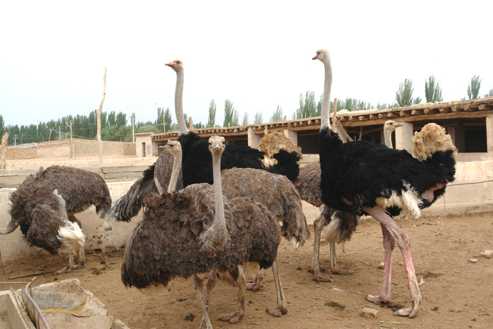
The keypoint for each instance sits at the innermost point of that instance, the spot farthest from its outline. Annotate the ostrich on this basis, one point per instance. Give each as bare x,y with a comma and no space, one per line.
44,206
388,128
308,184
364,178
196,163
197,232
3,149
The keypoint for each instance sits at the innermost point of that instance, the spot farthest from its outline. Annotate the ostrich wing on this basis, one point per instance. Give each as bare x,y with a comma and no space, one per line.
129,204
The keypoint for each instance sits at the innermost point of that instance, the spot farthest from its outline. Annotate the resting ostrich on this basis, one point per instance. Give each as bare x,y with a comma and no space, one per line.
44,206
365,178
196,163
3,149
200,233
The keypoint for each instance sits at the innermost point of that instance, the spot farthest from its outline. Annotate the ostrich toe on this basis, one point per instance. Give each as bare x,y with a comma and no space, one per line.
378,300
234,317
277,311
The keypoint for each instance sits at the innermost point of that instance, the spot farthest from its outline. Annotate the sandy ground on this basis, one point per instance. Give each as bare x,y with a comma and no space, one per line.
457,293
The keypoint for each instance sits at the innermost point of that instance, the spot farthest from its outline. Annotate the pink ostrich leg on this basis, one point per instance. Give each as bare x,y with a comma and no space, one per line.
403,243
386,293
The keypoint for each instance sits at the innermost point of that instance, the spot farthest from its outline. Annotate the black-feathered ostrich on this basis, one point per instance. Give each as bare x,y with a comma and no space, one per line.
196,163
44,206
361,177
199,232
308,185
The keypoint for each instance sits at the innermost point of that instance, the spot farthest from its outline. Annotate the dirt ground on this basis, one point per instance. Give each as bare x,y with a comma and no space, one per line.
456,292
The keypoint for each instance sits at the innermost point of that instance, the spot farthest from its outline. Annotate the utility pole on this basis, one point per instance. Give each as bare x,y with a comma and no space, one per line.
98,121
59,132
15,139
132,118
69,124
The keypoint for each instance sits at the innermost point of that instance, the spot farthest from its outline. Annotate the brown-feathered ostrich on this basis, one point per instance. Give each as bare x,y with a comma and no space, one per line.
196,232
365,178
44,206
196,163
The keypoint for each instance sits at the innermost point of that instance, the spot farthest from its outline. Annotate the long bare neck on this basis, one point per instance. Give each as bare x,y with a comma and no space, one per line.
325,122
387,135
179,102
175,172
218,190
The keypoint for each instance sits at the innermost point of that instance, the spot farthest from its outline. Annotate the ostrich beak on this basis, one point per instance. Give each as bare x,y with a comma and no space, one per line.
170,64
315,57
398,124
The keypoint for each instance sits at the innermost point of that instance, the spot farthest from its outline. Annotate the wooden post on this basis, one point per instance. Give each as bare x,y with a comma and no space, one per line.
98,121
3,150
132,118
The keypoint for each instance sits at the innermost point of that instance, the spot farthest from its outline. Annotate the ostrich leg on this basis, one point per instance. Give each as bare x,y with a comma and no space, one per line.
256,284
203,290
236,317
404,245
318,226
385,294
281,308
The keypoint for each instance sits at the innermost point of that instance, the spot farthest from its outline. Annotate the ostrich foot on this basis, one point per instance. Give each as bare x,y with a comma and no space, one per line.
254,286
205,324
322,277
338,271
409,312
277,312
234,317
69,268
378,300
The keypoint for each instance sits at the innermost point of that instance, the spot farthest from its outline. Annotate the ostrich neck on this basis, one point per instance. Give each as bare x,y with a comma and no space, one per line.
218,190
175,172
325,122
179,102
387,135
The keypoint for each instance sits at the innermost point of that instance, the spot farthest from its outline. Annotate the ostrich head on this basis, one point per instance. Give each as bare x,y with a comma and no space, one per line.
174,147
391,125
216,145
322,55
176,65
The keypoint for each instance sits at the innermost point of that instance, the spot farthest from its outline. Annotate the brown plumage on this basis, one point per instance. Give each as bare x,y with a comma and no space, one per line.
276,192
197,231
45,203
168,242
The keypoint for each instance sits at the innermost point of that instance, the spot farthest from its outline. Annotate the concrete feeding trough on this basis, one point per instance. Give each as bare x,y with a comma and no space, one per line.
65,304
12,315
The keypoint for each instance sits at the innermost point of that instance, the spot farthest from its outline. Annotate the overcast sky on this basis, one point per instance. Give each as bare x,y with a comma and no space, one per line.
255,53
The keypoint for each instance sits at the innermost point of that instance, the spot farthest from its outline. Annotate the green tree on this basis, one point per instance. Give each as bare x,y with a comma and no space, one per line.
230,114
2,125
212,114
278,115
474,87
258,118
245,119
404,96
168,121
433,92
307,106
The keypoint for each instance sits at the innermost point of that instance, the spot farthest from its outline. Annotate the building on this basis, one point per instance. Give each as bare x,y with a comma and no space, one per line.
470,123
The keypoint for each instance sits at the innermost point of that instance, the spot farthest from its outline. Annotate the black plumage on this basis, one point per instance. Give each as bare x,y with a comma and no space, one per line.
354,175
